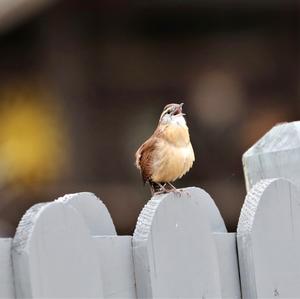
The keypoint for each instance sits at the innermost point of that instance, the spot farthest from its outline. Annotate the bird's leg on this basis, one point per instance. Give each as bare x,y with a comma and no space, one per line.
178,190
157,188
174,189
172,186
163,189
152,190
152,187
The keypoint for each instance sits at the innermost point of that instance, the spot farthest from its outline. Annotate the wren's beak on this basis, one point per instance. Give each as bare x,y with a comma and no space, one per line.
178,110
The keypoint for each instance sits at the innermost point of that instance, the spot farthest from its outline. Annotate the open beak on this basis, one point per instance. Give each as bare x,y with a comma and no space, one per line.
178,111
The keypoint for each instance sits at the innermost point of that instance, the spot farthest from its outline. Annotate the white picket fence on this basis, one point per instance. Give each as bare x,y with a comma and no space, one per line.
69,248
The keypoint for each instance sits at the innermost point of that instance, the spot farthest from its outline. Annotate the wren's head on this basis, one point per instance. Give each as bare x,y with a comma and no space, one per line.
172,113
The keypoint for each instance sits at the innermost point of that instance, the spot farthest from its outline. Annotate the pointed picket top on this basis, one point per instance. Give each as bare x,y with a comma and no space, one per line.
276,154
93,211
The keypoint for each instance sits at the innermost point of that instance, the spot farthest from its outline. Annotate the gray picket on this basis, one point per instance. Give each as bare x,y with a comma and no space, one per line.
275,155
54,255
268,238
228,265
174,249
7,290
116,263
93,211
114,252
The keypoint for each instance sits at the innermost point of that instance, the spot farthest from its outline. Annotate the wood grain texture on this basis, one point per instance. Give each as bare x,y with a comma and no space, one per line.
275,155
268,238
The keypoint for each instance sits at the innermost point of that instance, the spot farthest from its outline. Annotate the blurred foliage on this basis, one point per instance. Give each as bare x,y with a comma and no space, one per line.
33,140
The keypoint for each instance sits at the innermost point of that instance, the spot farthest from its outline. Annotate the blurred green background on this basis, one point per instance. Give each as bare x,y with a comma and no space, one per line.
82,85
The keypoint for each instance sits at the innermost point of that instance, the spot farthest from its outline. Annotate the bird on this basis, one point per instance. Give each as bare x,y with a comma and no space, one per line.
168,154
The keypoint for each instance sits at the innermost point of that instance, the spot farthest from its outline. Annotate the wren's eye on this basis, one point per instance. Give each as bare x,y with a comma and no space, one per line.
168,111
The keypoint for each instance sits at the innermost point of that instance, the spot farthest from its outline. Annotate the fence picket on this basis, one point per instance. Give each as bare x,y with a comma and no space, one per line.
92,210
7,290
175,252
116,263
54,255
275,155
268,238
228,265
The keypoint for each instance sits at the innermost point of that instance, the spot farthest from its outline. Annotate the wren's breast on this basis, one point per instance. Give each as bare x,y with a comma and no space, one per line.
177,135
172,162
174,155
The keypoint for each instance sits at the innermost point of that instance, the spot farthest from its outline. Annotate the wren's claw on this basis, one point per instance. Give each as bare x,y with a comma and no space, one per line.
177,192
163,189
174,189
172,186
188,194
159,192
162,192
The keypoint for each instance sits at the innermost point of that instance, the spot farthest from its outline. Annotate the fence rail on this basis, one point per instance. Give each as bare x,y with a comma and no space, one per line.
69,248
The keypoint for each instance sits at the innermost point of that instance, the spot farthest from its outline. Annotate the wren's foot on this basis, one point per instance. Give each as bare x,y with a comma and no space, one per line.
165,191
188,194
178,191
181,192
174,189
157,188
160,192
172,186
162,189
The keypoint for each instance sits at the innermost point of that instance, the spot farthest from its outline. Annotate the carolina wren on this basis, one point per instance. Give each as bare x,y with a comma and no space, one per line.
168,154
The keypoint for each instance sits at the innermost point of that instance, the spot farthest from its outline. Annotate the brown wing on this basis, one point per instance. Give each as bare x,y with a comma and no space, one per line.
144,158
144,155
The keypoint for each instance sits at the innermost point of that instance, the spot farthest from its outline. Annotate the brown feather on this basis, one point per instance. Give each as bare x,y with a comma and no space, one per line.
144,156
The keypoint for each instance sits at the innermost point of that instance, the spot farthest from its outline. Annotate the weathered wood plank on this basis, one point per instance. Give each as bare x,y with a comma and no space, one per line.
54,255
175,254
116,264
275,155
228,265
92,210
6,276
268,238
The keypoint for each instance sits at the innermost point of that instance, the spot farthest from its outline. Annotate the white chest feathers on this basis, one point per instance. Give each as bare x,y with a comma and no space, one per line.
174,120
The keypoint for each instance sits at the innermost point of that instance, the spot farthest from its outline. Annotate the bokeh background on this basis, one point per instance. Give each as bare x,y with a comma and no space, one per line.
82,85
